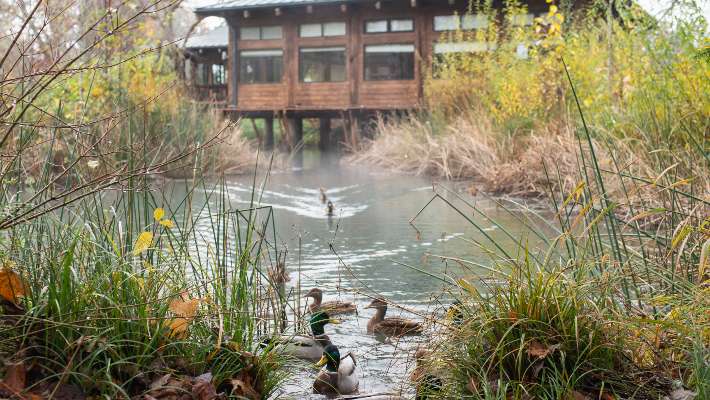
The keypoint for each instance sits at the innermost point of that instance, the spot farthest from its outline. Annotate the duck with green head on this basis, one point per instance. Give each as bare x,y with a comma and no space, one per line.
338,377
307,347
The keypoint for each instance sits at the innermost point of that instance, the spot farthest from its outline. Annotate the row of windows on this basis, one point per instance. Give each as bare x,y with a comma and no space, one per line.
442,23
328,64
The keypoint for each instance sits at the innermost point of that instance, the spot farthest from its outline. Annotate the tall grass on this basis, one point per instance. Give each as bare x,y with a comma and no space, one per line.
613,306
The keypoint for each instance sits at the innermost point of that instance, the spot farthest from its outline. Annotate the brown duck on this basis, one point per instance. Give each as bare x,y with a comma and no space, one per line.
334,307
393,326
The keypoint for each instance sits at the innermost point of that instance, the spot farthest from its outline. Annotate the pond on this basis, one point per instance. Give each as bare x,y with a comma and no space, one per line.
375,251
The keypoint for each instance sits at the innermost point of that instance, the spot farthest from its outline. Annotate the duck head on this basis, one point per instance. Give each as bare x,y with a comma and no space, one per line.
318,322
316,294
378,304
330,358
330,208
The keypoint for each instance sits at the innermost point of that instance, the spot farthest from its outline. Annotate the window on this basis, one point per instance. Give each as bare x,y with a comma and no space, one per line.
260,32
324,64
460,47
219,74
201,74
389,25
260,66
327,29
389,62
464,22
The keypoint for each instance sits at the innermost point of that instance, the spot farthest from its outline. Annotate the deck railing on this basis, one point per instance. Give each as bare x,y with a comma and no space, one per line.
209,93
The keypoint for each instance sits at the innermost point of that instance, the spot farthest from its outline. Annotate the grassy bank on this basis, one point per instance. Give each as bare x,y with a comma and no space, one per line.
614,305
110,287
496,117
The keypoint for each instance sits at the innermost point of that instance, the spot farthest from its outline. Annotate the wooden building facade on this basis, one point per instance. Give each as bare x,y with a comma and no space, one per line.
338,58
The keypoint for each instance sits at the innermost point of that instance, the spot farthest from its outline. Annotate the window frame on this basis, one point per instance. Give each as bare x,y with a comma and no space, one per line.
240,80
414,61
260,28
322,29
314,49
388,20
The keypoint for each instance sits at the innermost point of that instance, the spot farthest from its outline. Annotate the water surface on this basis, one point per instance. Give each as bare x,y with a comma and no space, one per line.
375,250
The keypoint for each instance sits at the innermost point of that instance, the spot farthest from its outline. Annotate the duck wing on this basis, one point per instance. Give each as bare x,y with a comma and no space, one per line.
299,346
338,307
399,326
347,377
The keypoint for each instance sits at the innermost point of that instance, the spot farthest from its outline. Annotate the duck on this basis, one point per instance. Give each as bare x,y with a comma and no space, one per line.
306,347
393,326
335,307
323,197
330,209
338,377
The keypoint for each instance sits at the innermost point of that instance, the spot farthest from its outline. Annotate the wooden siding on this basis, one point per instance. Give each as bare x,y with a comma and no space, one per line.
354,93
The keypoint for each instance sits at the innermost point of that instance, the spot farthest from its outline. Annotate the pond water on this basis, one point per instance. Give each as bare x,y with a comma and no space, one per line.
371,240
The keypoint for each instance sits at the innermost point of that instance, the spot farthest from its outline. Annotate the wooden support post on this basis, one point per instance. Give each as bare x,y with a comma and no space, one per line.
233,67
354,139
324,142
269,133
297,132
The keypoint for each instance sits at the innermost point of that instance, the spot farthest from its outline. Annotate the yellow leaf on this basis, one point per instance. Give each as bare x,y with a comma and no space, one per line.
143,242
185,309
158,214
167,223
467,285
184,306
11,285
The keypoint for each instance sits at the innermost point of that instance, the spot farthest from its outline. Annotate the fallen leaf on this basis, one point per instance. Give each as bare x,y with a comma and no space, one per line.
11,285
241,388
575,395
203,389
158,213
185,309
539,350
15,378
143,242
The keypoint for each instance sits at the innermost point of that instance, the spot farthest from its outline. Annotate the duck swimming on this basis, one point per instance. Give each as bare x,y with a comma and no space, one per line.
338,377
393,326
331,307
330,209
307,347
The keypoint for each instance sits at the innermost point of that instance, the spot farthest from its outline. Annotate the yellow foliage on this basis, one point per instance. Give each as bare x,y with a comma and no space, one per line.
143,243
158,214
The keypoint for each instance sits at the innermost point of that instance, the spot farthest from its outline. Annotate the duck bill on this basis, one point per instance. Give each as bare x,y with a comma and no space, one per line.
323,360
335,321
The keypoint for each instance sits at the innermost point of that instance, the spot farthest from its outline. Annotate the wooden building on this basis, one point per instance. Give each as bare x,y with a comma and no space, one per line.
345,59
205,65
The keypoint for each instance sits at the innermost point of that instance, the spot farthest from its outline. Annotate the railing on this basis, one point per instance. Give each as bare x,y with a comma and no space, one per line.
209,93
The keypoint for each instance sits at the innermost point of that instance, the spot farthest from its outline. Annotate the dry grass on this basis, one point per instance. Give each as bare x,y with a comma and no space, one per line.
470,148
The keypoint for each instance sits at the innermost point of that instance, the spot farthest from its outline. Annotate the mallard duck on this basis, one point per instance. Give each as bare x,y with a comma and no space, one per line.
331,307
306,347
338,377
323,197
393,326
330,209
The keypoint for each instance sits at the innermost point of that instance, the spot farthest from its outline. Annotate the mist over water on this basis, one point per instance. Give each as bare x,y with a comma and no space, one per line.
371,239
